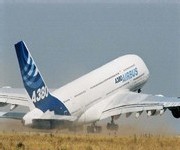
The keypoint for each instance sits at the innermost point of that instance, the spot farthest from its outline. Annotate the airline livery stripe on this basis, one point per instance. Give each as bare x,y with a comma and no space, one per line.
104,81
138,77
83,92
129,67
117,88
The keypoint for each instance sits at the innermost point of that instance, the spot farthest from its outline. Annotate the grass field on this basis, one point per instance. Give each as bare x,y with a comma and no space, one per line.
62,141
15,136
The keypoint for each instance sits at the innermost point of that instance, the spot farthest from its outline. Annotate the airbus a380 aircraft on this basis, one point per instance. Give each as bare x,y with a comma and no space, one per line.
109,91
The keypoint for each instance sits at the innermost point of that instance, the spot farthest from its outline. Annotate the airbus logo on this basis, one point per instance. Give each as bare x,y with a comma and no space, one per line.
127,76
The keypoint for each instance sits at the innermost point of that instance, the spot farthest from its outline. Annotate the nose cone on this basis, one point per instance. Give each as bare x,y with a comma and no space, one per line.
147,74
142,65
146,70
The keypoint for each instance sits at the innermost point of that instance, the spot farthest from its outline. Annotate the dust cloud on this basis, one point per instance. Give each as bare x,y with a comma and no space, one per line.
125,128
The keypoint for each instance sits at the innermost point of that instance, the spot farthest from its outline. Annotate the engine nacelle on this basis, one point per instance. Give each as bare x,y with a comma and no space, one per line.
41,124
30,116
175,112
155,112
34,119
50,124
3,104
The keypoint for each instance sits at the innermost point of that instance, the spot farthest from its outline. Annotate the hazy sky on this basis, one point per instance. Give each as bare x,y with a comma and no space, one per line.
69,39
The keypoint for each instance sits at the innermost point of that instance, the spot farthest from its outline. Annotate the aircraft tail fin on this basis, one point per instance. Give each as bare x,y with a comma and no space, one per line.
31,76
35,85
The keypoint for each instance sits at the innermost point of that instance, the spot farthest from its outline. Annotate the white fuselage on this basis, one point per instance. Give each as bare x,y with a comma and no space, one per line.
128,72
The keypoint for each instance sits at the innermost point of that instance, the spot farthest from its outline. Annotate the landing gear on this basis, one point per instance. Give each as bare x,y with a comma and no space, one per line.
73,128
139,90
94,129
112,126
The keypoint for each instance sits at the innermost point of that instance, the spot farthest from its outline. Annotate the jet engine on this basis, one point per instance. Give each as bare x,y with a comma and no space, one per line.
3,104
175,112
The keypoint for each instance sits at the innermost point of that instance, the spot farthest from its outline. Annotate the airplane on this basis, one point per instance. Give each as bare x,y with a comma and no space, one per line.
110,91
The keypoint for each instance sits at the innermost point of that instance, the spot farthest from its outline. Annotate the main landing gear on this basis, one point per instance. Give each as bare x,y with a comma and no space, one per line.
93,128
112,126
97,129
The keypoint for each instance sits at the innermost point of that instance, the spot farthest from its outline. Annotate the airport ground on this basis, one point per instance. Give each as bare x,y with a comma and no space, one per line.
14,136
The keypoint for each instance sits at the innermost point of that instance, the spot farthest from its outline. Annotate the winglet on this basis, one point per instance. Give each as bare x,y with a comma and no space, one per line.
35,85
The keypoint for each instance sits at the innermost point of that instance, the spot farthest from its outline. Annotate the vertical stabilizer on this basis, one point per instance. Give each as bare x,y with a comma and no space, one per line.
35,85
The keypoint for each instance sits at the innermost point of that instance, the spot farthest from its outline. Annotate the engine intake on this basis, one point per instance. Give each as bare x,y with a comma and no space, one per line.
3,104
175,112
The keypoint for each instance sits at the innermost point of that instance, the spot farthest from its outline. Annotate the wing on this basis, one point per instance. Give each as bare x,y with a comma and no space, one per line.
12,115
130,102
13,96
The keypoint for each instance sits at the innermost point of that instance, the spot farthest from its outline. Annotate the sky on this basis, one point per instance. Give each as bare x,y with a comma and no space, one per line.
68,39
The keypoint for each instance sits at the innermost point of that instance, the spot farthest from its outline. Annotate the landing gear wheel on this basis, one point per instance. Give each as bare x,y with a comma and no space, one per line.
94,129
98,129
112,126
90,129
